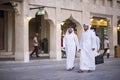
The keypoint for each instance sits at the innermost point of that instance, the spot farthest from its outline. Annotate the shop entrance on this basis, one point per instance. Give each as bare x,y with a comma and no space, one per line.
100,26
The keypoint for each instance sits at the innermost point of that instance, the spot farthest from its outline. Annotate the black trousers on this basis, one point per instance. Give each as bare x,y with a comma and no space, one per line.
35,51
108,54
105,50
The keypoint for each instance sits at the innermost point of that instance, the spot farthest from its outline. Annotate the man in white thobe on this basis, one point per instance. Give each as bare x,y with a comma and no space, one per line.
97,44
70,43
97,47
87,46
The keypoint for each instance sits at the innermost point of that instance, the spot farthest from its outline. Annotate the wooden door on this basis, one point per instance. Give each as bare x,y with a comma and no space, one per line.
2,33
2,26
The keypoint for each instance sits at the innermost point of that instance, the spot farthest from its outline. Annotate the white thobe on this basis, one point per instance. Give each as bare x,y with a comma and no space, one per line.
97,43
87,57
70,43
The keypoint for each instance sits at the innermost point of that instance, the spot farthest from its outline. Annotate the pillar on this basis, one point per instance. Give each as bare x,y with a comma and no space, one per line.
10,31
58,42
55,42
55,33
21,34
114,21
52,42
112,33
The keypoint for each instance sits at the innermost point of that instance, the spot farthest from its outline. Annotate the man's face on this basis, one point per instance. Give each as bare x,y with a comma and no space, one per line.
70,30
85,27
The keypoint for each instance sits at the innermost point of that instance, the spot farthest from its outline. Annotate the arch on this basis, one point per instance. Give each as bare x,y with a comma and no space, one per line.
78,28
47,27
32,30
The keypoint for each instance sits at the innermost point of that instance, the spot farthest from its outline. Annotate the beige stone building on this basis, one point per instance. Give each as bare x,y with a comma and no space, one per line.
20,19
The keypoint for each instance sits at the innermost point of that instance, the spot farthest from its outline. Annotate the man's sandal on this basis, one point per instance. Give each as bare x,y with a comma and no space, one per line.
80,71
89,71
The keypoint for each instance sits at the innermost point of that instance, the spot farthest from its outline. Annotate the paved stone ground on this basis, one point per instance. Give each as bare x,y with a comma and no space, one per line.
55,70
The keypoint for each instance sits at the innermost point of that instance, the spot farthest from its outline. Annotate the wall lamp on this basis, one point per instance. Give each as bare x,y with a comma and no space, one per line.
118,27
40,11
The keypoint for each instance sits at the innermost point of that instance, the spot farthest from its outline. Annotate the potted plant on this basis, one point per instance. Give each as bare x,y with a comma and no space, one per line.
45,45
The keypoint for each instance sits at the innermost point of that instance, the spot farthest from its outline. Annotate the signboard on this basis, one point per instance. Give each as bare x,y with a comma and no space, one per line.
99,23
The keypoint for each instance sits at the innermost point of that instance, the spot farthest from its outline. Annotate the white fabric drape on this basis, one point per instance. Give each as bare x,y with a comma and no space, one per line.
97,46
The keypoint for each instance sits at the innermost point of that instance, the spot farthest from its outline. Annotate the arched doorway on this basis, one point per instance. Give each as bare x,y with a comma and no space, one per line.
42,27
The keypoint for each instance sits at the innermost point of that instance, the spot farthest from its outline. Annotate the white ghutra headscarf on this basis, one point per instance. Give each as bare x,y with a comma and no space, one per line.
67,33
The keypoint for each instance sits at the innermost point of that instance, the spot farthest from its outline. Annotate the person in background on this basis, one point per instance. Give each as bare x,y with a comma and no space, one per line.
97,41
97,44
62,49
106,47
36,44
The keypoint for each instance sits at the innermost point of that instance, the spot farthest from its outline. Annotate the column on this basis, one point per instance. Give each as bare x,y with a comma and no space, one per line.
58,41
58,33
55,41
52,42
112,33
10,31
21,34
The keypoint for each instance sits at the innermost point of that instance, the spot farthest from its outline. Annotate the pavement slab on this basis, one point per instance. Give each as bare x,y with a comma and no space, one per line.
55,70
